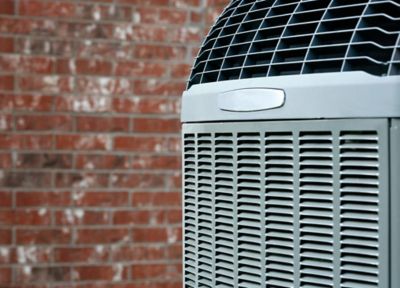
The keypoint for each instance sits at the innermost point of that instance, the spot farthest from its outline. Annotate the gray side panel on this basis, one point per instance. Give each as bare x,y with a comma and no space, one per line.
395,202
325,96
287,204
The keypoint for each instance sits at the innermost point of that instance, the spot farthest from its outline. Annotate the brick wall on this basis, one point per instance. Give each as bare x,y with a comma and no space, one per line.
89,139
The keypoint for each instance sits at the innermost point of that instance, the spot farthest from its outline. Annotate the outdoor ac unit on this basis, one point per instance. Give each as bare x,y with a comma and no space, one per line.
291,147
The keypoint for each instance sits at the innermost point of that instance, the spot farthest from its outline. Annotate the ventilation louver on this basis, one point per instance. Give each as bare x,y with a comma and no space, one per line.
286,37
285,204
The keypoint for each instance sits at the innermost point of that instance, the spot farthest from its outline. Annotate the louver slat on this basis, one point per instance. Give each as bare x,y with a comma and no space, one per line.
359,210
316,209
273,37
283,204
279,216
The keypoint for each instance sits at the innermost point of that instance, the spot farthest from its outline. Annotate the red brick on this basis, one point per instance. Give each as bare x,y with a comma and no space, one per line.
160,52
25,179
159,88
93,67
5,199
100,161
189,34
44,160
174,252
103,199
26,64
155,162
102,124
6,44
89,104
5,236
85,255
82,217
5,160
186,3
156,199
153,125
33,217
48,9
40,199
47,84
151,271
148,2
144,105
196,17
146,33
140,69
38,103
81,180
138,253
108,272
32,142
44,122
5,276
141,144
149,235
102,235
104,86
6,82
128,217
173,16
181,70
145,15
40,274
7,7
82,142
6,217
43,236
140,181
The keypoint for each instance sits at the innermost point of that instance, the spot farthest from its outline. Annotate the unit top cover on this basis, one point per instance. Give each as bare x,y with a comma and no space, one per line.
287,37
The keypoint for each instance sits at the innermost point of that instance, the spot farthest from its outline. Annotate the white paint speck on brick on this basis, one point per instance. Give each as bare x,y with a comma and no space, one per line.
118,269
42,211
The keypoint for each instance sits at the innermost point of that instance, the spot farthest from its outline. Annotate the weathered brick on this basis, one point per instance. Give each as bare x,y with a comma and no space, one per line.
102,235
102,124
82,217
7,7
89,139
140,69
103,199
6,44
115,272
152,125
94,254
25,236
44,122
40,199
136,252
149,235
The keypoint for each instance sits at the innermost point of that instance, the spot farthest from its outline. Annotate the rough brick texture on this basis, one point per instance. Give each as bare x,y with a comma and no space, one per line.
89,139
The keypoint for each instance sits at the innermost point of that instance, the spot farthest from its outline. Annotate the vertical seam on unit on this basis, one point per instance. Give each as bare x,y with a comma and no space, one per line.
296,209
262,208
235,210
197,208
336,208
213,234
383,214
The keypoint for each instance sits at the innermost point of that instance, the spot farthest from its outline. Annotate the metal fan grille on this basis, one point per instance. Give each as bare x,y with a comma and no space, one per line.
285,37
286,204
